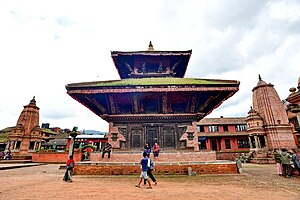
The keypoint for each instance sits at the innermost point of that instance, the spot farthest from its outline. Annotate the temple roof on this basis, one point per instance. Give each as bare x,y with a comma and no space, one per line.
222,121
125,61
151,82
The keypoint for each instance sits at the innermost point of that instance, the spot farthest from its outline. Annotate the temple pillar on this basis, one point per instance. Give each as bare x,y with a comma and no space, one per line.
256,142
15,144
266,143
250,142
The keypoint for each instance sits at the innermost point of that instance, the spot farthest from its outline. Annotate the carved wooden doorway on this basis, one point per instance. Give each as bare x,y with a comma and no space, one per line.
168,137
152,135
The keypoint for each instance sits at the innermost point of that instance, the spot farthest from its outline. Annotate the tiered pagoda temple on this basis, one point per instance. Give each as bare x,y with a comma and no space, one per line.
153,102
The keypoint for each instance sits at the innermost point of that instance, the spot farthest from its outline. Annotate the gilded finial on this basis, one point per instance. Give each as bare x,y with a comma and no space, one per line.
150,48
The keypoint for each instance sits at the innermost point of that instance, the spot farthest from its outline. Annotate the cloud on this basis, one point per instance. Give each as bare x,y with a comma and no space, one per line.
48,44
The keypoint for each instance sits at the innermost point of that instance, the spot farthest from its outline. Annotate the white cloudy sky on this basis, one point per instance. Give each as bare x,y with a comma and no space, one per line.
47,44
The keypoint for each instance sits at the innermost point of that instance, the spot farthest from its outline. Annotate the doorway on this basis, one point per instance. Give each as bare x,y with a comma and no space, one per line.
152,136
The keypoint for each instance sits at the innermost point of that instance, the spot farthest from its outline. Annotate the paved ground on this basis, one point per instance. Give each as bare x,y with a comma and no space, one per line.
45,182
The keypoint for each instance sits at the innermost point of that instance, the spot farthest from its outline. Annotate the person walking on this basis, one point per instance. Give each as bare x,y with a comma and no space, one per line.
295,162
277,158
285,160
150,170
144,165
69,172
106,149
156,150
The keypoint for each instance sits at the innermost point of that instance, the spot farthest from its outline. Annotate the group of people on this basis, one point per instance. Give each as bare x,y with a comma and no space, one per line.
5,156
155,149
147,165
287,162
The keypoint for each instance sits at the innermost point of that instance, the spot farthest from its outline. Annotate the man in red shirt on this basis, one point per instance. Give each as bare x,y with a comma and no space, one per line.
69,172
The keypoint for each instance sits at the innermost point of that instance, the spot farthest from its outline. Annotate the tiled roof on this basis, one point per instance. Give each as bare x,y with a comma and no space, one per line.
223,121
154,82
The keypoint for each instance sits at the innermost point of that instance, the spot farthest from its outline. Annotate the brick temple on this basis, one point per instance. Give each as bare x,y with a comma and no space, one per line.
27,136
153,102
268,123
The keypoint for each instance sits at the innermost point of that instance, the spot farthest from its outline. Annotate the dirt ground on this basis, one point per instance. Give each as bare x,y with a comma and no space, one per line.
45,182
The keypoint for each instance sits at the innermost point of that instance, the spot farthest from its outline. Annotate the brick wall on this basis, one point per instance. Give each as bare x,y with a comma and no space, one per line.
163,157
160,168
54,157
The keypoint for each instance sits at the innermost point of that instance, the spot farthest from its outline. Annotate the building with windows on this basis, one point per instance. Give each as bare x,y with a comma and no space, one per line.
223,134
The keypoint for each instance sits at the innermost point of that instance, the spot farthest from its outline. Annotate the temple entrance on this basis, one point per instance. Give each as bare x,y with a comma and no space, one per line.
139,134
152,136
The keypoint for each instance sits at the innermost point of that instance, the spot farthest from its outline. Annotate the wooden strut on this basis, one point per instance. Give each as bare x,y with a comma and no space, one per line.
99,106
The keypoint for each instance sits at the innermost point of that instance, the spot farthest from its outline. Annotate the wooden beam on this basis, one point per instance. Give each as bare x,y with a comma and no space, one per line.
97,104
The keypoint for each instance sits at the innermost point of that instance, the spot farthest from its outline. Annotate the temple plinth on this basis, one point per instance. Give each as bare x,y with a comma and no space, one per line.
153,102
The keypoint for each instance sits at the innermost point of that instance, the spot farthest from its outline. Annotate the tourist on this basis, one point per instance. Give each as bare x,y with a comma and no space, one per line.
8,155
150,166
156,150
69,172
106,149
285,160
147,148
277,158
144,164
295,162
238,163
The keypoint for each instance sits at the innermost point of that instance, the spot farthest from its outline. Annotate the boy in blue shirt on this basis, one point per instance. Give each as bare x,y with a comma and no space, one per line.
144,163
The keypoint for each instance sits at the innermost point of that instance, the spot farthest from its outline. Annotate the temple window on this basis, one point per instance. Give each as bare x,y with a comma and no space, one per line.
243,143
200,128
202,142
225,128
241,127
17,145
213,128
227,144
31,145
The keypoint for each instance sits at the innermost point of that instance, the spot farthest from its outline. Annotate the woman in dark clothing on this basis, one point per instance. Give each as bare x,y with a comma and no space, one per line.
285,160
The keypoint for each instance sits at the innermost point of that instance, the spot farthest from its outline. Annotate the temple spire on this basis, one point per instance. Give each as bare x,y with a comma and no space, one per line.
150,48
